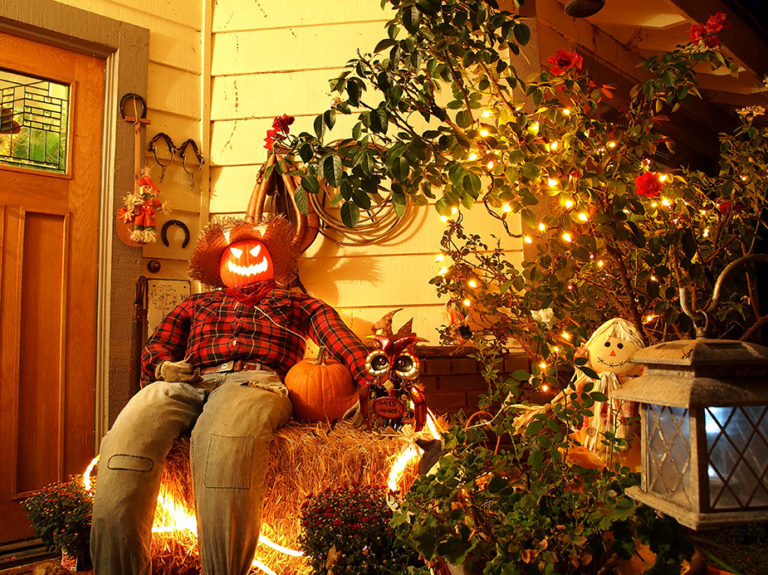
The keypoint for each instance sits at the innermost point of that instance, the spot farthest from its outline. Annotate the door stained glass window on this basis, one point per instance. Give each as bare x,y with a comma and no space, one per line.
33,122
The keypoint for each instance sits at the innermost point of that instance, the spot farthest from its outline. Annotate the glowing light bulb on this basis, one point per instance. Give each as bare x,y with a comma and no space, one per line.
649,318
744,178
444,219
472,157
654,204
454,210
566,336
553,146
665,202
484,133
542,227
663,177
545,387
600,263
583,216
566,237
486,114
654,278
466,303
556,349
566,111
611,145
472,283
528,239
490,164
568,204
552,182
570,287
439,257
706,232
543,365
443,271
506,208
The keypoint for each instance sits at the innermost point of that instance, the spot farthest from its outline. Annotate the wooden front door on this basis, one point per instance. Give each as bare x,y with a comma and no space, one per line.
48,270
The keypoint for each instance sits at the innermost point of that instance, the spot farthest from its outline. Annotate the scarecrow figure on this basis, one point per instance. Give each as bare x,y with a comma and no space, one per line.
218,359
608,351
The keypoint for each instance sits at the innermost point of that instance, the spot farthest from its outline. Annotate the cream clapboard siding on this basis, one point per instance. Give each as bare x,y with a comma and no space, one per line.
176,93
271,58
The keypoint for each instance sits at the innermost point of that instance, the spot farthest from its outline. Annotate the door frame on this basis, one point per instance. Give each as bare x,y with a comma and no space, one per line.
125,49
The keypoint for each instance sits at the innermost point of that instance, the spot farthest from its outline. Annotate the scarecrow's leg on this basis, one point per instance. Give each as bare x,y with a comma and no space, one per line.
229,456
131,461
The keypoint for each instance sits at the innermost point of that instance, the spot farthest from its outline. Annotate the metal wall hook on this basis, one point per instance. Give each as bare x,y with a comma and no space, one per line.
198,156
171,151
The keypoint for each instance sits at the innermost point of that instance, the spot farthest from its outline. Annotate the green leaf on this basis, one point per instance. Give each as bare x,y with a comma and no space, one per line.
384,44
300,197
319,128
463,119
329,117
305,152
400,169
310,184
350,214
411,18
361,199
333,169
522,34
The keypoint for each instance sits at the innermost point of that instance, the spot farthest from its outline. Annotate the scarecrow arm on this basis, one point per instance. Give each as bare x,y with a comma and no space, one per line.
169,342
327,329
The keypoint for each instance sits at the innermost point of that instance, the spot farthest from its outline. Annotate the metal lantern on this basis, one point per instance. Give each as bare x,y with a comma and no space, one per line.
704,437
704,425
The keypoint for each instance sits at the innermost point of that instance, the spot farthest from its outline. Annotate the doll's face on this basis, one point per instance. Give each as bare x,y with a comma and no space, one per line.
612,354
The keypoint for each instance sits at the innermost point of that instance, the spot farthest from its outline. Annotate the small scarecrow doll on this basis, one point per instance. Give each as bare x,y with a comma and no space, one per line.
218,361
140,209
608,351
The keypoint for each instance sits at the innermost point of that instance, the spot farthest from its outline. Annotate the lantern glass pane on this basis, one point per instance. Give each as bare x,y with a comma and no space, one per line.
669,453
737,446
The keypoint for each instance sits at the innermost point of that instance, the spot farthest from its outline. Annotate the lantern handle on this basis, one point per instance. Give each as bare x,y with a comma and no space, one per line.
700,318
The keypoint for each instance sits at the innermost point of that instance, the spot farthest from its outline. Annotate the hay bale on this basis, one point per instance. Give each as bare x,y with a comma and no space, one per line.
304,459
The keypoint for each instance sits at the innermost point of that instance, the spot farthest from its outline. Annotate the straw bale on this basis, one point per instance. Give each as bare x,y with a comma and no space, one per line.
304,459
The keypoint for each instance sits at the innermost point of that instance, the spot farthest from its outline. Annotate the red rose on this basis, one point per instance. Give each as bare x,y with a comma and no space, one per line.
712,40
717,22
281,123
563,61
270,139
648,185
697,31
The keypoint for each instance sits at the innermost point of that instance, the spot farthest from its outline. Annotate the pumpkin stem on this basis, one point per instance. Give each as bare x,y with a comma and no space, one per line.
321,353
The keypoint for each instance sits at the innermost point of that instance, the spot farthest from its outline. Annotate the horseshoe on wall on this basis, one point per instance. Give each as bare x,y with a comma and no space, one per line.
164,232
307,225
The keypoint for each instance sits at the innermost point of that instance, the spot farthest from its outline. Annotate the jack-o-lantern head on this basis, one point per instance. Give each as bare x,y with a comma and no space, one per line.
234,253
245,262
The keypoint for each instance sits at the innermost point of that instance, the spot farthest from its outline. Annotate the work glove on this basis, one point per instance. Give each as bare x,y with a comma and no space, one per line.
177,371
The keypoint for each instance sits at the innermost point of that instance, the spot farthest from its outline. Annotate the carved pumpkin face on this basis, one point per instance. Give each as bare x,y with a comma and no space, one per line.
245,262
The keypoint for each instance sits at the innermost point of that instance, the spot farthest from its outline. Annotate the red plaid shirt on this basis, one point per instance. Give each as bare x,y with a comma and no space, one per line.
212,328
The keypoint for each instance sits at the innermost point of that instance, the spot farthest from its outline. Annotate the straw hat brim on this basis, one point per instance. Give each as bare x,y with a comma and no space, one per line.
276,233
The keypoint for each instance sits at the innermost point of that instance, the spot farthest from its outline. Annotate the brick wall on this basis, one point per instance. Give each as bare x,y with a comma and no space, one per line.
452,381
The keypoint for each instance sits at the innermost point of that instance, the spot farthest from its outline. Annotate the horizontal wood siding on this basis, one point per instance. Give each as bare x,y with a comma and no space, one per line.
271,58
175,106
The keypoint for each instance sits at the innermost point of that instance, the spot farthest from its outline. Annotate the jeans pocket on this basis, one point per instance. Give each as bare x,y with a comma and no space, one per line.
228,462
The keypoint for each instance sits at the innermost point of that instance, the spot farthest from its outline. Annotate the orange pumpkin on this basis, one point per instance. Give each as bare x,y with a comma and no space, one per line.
320,389
244,263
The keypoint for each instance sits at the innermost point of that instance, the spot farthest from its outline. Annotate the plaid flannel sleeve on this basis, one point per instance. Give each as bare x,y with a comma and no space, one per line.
169,341
327,329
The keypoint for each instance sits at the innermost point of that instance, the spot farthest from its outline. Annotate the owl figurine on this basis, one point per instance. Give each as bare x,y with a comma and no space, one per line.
395,396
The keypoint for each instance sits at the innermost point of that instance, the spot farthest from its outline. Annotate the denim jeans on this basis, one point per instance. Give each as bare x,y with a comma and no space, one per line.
232,417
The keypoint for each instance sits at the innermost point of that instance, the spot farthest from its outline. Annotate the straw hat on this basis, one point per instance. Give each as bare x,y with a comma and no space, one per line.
276,233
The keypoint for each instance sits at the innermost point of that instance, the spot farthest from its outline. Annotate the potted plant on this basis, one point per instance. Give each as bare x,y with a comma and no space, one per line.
60,514
347,530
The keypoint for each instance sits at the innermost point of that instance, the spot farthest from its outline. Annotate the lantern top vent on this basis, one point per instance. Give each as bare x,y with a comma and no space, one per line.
703,352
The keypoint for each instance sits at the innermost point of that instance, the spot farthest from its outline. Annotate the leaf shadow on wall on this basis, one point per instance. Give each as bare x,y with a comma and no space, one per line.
321,277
